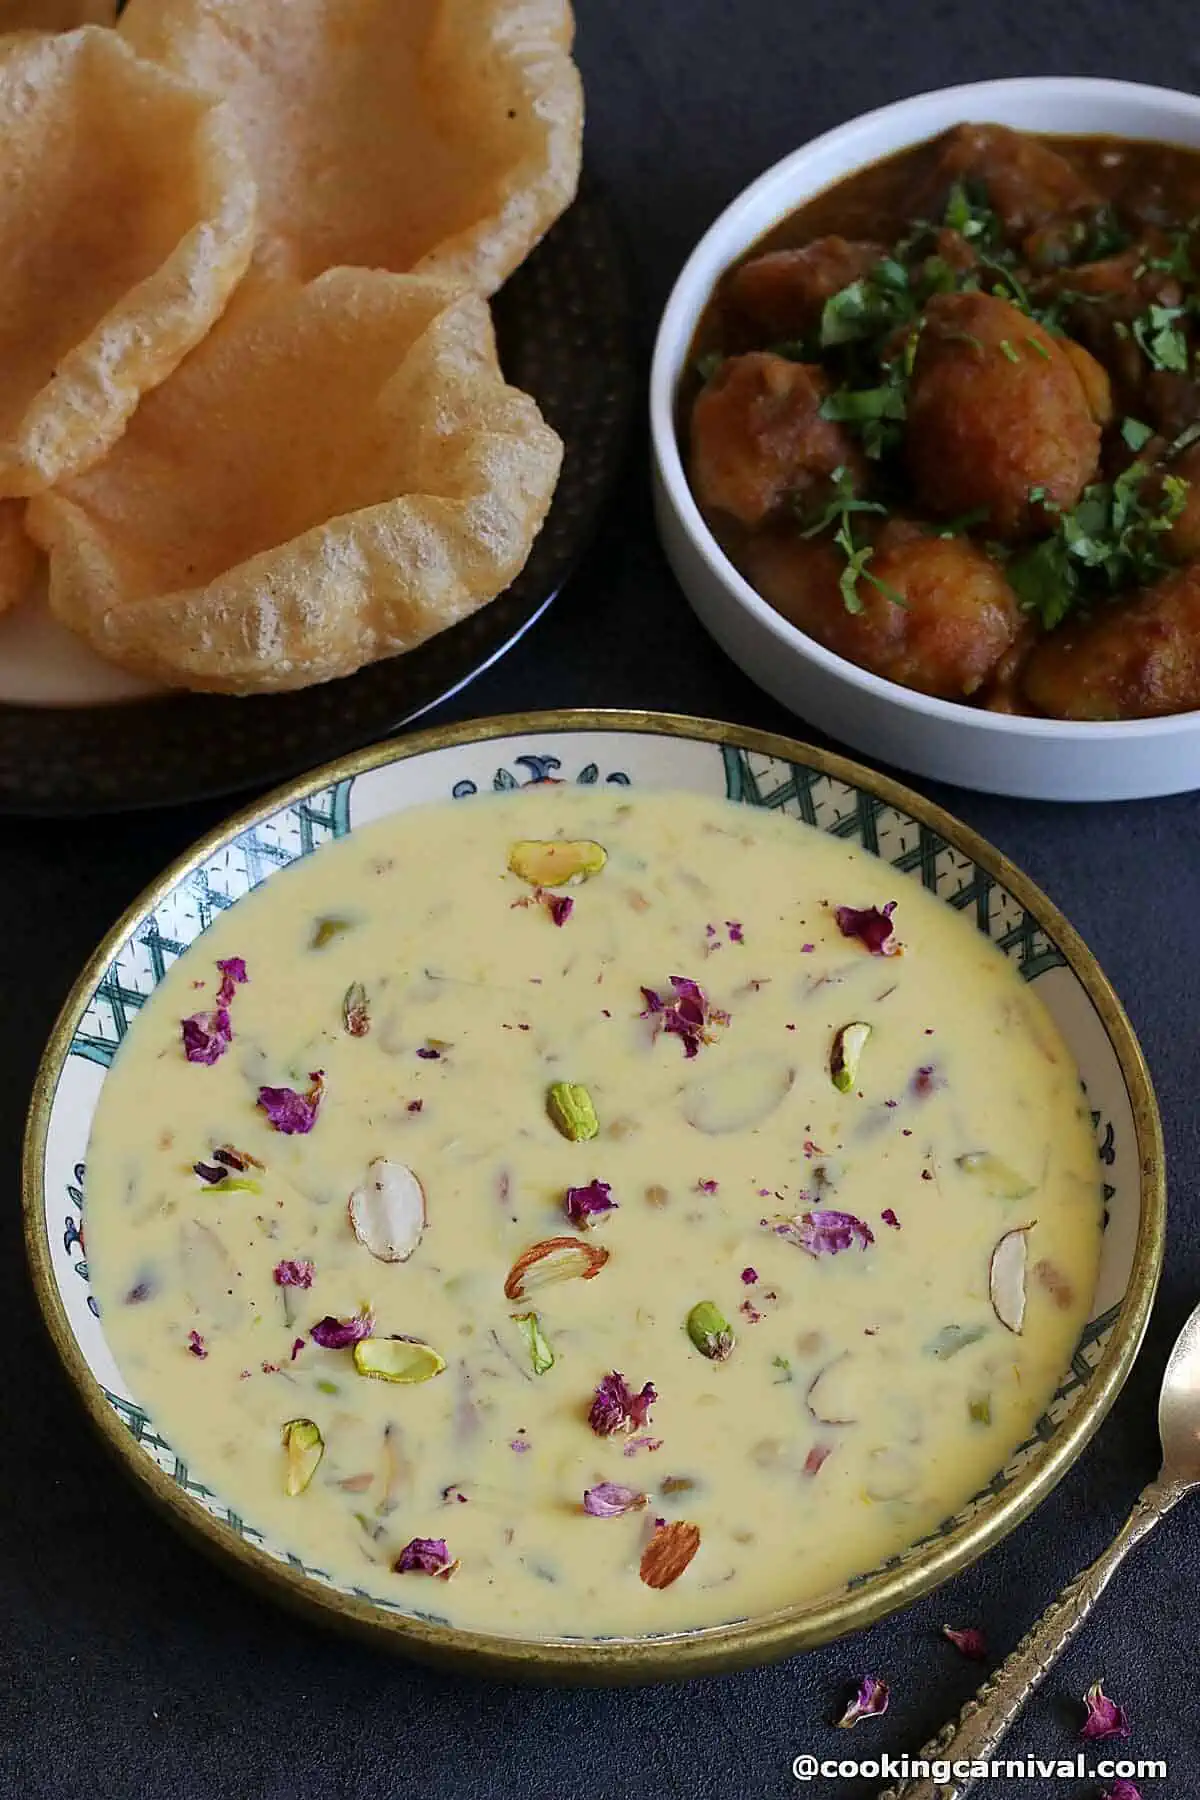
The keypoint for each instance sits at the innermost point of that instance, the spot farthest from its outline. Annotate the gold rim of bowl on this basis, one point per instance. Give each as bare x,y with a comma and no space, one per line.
715,1648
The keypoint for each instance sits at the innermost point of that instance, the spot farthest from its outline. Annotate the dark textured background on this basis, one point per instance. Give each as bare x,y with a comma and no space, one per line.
130,1668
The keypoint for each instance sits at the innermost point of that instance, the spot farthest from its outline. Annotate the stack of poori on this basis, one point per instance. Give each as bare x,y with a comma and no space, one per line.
250,403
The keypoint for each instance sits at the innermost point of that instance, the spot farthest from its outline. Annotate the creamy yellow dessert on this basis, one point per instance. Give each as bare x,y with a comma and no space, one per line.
590,1212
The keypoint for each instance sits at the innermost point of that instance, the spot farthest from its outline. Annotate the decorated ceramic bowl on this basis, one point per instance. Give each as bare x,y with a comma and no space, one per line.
643,751
999,753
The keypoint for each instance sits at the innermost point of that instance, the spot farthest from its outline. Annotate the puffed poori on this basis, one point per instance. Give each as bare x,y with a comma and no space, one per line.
126,219
441,136
18,555
337,472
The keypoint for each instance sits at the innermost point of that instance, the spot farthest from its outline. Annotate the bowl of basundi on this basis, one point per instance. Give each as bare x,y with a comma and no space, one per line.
926,430
594,1196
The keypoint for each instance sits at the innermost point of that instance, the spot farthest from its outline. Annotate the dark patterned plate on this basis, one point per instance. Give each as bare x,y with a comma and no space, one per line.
563,327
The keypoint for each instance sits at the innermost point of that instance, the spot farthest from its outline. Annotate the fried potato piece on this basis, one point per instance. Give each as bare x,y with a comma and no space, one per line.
1135,659
126,219
336,473
18,555
757,438
55,15
956,621
435,135
782,293
996,408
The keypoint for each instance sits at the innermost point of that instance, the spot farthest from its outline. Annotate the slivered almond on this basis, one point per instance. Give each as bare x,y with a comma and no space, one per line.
553,1259
668,1553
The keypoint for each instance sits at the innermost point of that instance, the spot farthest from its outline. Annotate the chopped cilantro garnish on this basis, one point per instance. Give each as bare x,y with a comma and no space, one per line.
1010,350
1104,236
842,500
968,213
839,512
1177,261
869,307
1036,344
1136,434
1162,342
1110,541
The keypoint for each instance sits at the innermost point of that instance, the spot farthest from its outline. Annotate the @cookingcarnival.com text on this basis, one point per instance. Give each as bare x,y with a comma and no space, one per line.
941,1770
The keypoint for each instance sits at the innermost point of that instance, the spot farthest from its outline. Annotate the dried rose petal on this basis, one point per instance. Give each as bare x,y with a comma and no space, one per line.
298,1273
617,1408
207,1035
871,925
823,1233
196,1344
425,1556
559,906
297,1347
688,1015
707,1187
583,1204
969,1642
669,1552
609,1500
520,1445
870,1700
1105,1719
339,1334
290,1112
889,1218
815,1460
427,1053
749,1276
736,933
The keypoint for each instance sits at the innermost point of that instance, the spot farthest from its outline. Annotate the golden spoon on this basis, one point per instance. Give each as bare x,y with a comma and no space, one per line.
976,1733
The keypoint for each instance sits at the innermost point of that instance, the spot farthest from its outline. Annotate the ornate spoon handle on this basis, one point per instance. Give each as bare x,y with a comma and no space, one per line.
976,1733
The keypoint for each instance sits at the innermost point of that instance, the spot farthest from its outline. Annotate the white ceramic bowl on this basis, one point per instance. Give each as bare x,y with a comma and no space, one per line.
1037,759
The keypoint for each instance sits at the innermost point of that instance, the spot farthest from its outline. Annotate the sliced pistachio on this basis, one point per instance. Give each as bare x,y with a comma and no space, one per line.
979,1407
997,1177
953,1338
848,1045
552,862
325,930
553,1259
387,1213
397,1359
571,1111
1006,1278
540,1353
710,1331
237,1184
304,1447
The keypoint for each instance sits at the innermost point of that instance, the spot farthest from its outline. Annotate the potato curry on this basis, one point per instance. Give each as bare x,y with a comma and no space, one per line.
946,420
